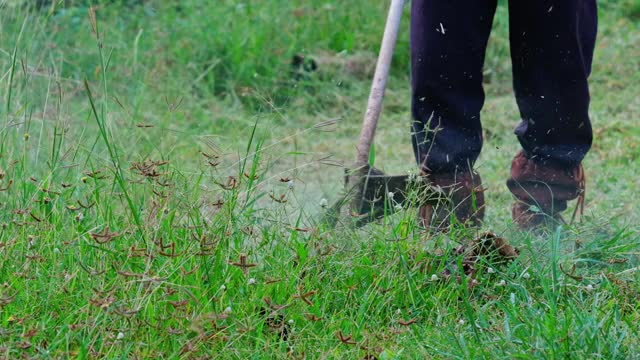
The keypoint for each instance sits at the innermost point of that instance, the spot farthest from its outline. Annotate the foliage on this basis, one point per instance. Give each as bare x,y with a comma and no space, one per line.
162,166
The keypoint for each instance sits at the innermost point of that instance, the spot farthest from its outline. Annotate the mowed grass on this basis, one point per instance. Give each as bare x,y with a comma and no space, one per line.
162,170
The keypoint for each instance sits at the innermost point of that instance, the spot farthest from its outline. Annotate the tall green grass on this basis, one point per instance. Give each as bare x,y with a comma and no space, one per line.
138,170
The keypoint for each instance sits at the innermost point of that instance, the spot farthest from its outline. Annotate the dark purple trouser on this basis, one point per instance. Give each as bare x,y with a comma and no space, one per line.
552,43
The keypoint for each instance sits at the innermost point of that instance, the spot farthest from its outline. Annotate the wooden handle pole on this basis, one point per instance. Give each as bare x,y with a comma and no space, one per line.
374,105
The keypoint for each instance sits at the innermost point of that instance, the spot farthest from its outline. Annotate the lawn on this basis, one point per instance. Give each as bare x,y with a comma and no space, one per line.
163,167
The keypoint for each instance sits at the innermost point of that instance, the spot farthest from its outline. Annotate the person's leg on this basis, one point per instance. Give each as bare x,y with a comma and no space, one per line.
552,44
448,43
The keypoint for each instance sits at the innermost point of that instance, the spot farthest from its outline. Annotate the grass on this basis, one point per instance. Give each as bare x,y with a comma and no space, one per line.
162,173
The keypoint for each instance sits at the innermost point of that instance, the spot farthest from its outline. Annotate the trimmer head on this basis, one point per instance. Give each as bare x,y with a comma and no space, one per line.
370,195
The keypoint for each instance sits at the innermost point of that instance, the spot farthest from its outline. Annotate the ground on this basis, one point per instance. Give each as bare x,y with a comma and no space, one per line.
162,170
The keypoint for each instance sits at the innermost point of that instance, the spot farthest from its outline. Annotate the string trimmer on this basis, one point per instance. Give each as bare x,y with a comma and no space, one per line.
367,189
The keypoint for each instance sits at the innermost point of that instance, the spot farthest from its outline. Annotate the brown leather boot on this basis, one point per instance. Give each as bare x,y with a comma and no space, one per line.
542,190
463,198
